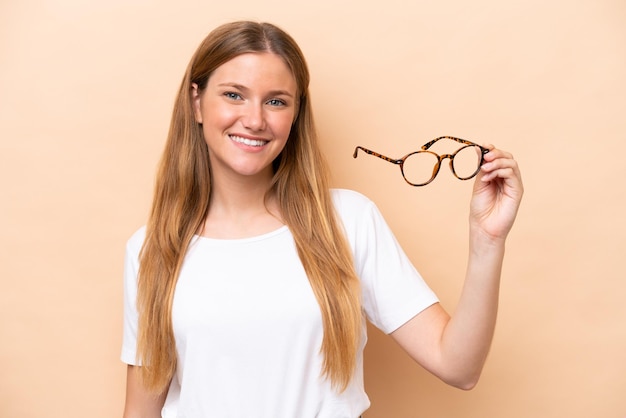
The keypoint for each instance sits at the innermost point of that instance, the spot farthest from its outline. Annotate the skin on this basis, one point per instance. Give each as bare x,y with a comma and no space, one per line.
455,348
141,403
252,97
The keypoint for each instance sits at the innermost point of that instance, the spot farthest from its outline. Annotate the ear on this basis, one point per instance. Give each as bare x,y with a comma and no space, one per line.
195,102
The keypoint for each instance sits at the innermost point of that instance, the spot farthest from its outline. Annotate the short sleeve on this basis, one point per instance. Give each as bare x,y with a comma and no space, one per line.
131,268
393,291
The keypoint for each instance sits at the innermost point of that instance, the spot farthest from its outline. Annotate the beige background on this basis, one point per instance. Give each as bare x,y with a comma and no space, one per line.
86,90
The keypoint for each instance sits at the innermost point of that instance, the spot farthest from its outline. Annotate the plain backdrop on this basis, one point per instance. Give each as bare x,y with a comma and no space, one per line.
86,91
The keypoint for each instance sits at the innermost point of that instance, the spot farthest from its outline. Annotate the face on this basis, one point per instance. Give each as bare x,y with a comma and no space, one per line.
246,111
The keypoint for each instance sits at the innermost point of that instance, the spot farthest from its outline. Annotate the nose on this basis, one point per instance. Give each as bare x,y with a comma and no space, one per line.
254,117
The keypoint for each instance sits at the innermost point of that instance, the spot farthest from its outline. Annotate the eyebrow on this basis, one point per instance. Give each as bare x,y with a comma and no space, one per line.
246,89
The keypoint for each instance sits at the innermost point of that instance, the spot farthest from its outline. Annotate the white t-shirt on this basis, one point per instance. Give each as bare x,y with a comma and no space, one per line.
248,328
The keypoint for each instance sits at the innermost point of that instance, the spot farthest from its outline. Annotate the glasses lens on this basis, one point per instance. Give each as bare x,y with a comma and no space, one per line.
466,162
419,167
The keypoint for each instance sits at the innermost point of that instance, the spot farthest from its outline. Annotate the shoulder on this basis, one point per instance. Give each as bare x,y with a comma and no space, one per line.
349,201
355,210
135,242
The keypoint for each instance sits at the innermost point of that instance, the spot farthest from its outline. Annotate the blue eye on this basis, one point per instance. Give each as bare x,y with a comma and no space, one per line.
231,95
276,102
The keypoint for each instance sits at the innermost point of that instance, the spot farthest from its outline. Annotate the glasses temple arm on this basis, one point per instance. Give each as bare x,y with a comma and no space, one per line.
375,154
462,141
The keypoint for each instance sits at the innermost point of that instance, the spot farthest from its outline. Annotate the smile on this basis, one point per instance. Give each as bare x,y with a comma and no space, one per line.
249,142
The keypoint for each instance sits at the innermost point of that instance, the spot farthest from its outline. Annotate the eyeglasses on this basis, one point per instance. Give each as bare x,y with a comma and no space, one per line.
421,167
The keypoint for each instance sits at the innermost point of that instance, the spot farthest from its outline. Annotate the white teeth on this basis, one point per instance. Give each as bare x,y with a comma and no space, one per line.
246,141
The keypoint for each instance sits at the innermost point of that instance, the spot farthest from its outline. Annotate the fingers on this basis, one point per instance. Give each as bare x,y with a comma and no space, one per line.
495,153
499,164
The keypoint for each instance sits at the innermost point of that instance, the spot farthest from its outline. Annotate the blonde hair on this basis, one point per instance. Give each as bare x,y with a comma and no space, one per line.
300,185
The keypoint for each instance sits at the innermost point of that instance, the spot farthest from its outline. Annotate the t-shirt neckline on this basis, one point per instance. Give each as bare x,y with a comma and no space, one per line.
243,240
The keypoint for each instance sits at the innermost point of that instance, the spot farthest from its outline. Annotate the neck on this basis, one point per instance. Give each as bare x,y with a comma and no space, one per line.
239,208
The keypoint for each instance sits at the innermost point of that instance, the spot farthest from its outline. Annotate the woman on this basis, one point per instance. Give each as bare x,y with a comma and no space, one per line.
246,293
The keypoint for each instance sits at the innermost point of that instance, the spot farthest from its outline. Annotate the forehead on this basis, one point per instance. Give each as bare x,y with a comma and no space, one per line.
255,70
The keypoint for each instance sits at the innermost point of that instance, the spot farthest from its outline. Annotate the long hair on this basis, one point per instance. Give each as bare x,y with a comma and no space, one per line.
300,184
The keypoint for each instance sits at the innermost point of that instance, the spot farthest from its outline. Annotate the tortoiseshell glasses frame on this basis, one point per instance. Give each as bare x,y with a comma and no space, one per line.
440,158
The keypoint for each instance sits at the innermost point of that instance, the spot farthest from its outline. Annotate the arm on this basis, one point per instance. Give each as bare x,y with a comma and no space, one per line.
455,348
141,403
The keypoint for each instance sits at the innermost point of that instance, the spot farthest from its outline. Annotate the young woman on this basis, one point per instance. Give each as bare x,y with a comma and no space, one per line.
247,292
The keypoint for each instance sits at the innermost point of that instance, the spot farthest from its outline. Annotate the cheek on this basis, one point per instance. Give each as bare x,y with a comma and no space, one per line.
281,125
219,117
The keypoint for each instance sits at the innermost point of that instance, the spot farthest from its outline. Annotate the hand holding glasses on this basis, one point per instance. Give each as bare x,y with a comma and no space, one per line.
421,167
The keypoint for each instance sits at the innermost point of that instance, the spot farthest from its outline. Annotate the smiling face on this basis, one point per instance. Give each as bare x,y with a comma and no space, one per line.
246,110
